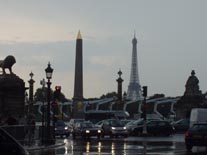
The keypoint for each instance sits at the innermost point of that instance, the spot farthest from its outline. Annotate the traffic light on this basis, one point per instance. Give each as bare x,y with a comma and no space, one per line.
144,91
57,92
58,88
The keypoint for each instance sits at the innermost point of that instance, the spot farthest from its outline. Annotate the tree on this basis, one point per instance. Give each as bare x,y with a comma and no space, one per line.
41,95
156,96
109,95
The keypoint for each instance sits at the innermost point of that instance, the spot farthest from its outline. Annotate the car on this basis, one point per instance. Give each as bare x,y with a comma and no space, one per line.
133,124
61,129
182,125
73,121
86,129
196,136
114,127
99,124
9,145
155,127
198,115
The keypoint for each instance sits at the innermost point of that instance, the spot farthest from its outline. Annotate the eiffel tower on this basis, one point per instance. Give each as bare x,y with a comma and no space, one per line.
134,88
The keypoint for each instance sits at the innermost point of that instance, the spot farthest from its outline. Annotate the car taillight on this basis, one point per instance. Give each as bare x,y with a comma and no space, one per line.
187,134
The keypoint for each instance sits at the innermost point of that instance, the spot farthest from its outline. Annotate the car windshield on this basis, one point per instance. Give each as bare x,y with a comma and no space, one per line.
125,121
60,123
199,127
87,125
99,123
182,121
116,123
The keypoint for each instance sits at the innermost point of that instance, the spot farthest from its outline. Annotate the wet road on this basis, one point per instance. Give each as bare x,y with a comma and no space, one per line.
173,145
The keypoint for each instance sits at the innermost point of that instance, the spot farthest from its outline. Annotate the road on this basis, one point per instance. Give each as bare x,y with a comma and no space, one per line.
173,145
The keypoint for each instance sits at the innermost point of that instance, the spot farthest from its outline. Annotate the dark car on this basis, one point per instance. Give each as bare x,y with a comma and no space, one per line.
196,136
61,129
155,127
114,127
86,130
9,145
181,125
133,124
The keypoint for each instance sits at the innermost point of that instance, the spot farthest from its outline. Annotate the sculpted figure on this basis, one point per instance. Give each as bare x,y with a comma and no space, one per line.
7,63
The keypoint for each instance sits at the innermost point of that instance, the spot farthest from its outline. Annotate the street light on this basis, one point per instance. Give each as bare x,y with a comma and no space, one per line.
42,82
48,72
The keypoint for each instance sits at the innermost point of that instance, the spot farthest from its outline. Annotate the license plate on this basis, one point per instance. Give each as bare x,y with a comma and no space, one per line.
197,136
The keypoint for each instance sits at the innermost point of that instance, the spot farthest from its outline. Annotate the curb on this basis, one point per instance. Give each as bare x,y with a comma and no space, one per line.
44,147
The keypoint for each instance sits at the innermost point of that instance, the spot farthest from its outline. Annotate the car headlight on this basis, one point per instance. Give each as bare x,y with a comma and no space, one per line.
87,131
124,128
113,128
99,131
66,128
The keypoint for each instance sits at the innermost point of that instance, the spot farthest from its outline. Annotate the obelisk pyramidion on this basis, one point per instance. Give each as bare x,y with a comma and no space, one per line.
134,88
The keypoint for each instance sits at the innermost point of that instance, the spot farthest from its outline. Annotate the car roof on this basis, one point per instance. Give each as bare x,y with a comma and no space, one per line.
153,120
201,123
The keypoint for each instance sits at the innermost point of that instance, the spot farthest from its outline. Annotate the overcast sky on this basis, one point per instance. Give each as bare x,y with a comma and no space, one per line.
171,42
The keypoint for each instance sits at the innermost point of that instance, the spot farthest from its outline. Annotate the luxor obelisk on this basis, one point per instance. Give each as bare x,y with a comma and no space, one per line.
78,81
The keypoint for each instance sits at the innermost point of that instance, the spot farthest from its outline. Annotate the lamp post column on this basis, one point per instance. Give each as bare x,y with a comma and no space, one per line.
48,112
42,82
144,131
119,104
48,71
31,87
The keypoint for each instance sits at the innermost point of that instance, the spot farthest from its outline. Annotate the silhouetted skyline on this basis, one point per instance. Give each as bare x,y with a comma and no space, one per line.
171,37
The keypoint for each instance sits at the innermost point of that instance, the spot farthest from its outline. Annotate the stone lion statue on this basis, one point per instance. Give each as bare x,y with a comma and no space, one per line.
8,62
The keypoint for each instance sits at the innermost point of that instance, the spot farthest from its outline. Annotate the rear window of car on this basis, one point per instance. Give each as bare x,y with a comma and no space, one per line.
88,125
200,127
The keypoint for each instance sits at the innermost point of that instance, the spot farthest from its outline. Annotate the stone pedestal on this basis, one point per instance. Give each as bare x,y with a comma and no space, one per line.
192,98
78,111
12,95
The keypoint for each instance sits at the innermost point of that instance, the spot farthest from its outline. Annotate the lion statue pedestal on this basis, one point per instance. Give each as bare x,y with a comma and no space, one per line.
12,91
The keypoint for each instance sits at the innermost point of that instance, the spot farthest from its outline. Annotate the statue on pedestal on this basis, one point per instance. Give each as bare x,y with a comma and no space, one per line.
12,90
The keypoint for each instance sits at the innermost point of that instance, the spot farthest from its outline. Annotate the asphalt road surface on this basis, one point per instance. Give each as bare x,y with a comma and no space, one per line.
172,145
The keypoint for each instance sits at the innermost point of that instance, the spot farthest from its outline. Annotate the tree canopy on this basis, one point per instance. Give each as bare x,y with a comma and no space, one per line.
41,95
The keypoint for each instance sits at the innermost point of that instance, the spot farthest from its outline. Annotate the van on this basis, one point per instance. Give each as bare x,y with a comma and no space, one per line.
198,115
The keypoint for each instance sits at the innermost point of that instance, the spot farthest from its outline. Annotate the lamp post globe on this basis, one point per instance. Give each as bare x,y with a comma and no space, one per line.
49,71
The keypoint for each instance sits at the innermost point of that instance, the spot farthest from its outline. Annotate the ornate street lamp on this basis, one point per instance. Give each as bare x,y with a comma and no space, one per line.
48,72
